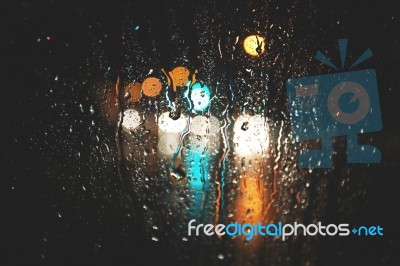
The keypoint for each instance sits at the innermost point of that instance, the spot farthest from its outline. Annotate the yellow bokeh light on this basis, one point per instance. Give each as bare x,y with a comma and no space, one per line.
151,87
180,77
133,91
254,45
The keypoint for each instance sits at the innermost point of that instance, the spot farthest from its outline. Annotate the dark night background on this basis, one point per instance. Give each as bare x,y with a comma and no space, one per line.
53,221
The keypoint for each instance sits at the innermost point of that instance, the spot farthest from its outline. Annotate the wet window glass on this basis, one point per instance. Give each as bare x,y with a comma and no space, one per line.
129,120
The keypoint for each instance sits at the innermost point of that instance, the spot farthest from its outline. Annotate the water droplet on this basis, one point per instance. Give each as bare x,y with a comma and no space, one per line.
127,95
245,126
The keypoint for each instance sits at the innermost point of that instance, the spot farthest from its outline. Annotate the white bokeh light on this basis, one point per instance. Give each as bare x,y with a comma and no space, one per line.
131,119
169,125
168,143
202,125
250,135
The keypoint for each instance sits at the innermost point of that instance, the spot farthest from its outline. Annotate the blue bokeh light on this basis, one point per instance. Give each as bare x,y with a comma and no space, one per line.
200,97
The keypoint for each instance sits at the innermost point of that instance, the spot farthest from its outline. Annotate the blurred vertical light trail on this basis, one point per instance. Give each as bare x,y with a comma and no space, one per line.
197,162
251,138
